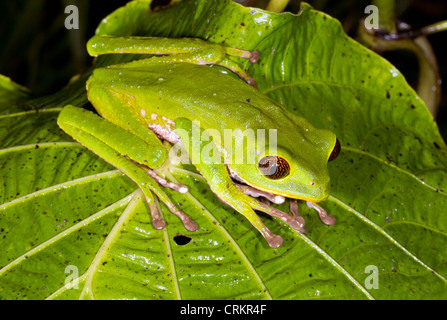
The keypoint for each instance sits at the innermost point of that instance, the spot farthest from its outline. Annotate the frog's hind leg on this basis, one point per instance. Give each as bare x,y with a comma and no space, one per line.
104,138
173,50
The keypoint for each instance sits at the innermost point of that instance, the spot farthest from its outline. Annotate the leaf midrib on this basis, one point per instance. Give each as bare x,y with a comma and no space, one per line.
124,217
65,233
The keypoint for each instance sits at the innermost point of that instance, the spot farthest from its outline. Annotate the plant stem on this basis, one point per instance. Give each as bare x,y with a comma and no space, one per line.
388,38
387,17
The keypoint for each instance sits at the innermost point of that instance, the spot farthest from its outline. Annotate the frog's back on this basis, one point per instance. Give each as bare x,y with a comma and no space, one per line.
200,93
205,95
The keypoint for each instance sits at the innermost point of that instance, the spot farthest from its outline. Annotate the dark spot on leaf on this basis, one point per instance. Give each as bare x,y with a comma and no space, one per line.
182,240
388,94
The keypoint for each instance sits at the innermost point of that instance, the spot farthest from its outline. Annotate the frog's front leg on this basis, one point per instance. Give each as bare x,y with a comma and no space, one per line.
173,50
234,195
125,151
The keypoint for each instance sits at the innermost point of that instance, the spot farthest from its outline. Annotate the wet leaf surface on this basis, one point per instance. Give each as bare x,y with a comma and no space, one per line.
73,227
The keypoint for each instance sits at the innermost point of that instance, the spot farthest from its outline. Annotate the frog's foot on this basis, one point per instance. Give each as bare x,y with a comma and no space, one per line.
295,222
324,217
239,71
150,183
189,224
157,220
252,56
218,53
159,223
187,221
273,240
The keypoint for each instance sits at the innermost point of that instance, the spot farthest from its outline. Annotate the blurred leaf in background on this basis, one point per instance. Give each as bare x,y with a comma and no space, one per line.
416,13
37,51
40,54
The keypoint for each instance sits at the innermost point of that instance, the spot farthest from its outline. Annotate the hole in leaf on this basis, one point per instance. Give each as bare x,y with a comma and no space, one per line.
182,240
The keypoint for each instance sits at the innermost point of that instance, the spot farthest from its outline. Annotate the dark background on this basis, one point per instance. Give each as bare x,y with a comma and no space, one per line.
38,52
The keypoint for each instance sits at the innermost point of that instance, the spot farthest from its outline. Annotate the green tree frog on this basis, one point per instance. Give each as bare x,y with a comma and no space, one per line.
170,97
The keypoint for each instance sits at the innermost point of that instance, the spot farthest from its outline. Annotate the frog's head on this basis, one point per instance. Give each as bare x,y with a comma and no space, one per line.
296,168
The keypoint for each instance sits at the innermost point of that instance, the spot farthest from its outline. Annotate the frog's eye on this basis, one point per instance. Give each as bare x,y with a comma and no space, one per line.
274,167
335,151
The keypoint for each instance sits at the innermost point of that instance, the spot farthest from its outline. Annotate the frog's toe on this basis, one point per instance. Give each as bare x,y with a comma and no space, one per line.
297,223
157,220
254,56
158,224
324,217
328,220
190,225
274,241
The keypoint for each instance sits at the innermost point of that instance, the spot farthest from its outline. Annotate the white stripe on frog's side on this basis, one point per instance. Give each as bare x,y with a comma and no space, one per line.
164,129
164,132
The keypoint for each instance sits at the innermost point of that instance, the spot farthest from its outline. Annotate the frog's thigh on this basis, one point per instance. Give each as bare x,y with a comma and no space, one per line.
120,109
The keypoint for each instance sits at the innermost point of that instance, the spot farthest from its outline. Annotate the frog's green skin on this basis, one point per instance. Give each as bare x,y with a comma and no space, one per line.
169,97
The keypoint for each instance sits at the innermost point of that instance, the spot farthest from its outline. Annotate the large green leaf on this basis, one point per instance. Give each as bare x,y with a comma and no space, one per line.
72,226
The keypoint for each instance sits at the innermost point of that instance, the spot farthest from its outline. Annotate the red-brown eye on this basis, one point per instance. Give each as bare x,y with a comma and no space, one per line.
335,151
274,167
